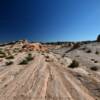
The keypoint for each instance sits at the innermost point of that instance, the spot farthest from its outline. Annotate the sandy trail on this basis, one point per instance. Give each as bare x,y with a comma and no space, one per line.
42,80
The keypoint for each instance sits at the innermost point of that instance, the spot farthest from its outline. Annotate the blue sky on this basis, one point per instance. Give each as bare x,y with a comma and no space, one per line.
49,20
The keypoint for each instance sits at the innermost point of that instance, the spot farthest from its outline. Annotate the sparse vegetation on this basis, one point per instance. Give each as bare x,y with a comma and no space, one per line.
16,50
47,57
96,61
29,57
94,68
84,48
98,38
23,62
96,52
77,56
2,54
81,68
26,60
77,45
74,64
63,55
89,51
92,59
9,63
1,51
10,57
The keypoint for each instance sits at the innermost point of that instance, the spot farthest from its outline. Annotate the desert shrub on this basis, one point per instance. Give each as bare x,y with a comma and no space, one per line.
1,49
74,64
1,52
98,38
75,46
96,61
29,54
77,56
96,52
94,68
16,50
9,63
49,60
47,57
92,59
84,48
29,57
89,51
26,60
10,57
42,54
2,56
63,55
23,62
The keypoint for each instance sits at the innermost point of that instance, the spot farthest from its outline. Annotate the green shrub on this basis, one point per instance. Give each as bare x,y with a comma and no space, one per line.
47,57
98,38
23,62
84,48
76,45
9,63
88,51
94,68
1,52
16,50
74,64
29,57
96,61
97,52
10,57
2,56
92,59
26,60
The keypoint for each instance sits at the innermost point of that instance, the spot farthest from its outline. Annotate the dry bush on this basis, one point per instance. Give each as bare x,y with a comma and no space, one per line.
74,64
96,61
9,63
29,57
23,62
94,68
88,51
98,38
96,52
26,60
10,57
75,46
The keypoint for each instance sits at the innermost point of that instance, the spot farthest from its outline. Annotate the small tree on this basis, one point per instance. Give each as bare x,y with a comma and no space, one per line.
98,38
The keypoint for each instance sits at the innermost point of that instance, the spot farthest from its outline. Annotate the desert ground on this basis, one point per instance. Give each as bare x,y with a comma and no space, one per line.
35,71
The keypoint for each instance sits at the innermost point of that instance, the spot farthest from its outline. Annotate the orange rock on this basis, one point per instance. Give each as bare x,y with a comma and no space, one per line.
34,47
